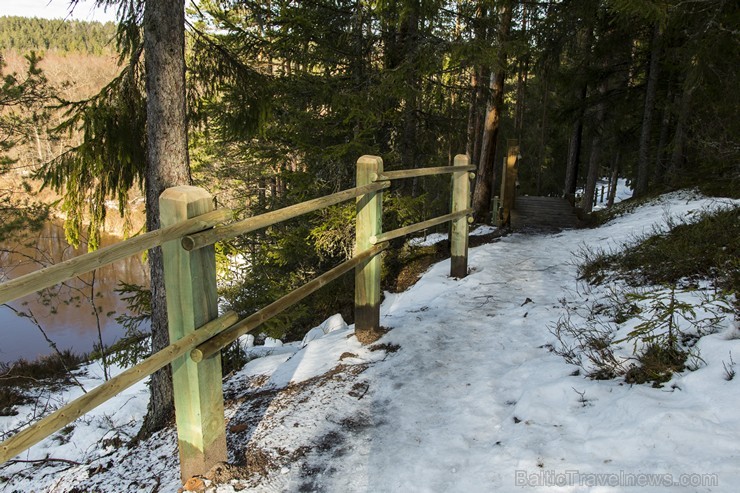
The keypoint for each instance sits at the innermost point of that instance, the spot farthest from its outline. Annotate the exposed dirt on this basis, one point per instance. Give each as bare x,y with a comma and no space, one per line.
404,266
263,414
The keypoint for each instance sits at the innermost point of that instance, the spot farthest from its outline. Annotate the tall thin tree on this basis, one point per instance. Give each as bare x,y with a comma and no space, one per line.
167,165
486,175
651,90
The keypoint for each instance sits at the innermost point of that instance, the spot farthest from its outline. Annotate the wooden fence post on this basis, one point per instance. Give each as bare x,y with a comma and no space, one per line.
367,274
190,283
459,230
508,181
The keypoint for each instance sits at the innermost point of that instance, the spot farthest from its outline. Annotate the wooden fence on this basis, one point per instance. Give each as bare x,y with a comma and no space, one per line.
190,228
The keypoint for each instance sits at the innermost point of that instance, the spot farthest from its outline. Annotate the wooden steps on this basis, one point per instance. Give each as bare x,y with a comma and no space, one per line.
549,213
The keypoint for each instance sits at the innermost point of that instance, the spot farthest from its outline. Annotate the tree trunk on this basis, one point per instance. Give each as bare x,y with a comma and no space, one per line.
679,137
521,81
473,113
409,131
480,114
478,89
167,166
574,147
660,152
581,91
357,66
594,163
614,177
543,133
486,176
647,116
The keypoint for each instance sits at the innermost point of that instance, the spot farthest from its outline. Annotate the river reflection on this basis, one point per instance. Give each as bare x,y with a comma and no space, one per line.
67,315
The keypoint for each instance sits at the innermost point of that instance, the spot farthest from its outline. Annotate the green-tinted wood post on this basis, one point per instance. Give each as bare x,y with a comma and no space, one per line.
190,283
367,274
459,230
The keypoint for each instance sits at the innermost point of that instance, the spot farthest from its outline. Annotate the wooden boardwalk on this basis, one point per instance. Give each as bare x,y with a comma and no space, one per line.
548,213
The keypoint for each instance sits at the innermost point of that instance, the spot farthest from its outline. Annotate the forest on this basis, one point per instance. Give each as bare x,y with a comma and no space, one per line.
24,34
266,104
283,98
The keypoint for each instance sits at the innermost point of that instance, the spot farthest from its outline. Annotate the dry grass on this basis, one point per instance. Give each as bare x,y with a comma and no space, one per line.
15,378
706,249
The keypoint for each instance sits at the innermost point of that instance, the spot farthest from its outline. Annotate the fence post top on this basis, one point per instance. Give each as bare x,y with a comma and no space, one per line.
461,160
184,192
370,158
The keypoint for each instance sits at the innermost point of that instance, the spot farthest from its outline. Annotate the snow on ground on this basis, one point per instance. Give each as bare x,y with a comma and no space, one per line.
428,240
434,238
623,192
463,394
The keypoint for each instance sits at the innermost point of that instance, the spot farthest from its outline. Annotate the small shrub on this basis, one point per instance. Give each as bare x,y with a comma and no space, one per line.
23,373
658,363
47,371
9,398
591,341
661,342
729,369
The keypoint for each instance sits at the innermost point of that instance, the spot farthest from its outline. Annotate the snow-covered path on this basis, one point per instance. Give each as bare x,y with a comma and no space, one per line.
449,409
472,400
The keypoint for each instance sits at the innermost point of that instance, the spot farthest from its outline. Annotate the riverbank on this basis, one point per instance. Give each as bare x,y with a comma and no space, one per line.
21,189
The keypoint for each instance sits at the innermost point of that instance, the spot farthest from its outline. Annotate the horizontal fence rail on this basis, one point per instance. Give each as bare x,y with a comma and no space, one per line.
198,333
419,172
429,223
65,415
253,321
220,233
69,269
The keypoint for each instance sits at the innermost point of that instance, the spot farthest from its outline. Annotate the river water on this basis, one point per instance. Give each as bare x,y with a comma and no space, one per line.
67,316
